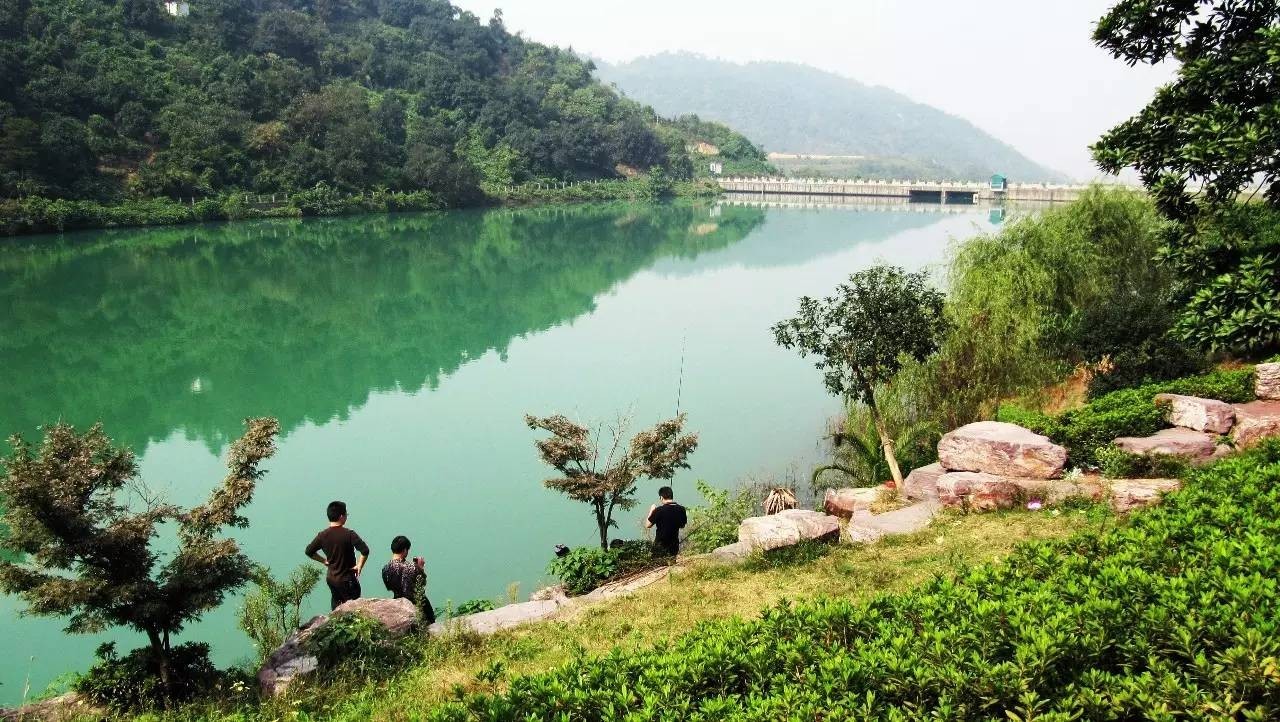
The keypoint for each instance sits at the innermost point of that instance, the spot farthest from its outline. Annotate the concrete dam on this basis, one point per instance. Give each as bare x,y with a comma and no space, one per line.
911,191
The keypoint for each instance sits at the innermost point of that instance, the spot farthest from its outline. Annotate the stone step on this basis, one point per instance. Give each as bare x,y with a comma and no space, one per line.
1193,412
787,528
1255,421
844,502
922,483
1194,446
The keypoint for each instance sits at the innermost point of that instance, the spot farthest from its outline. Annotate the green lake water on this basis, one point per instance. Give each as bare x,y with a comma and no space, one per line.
400,354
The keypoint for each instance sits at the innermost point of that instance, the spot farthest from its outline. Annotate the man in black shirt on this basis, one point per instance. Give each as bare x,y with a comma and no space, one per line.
339,545
670,518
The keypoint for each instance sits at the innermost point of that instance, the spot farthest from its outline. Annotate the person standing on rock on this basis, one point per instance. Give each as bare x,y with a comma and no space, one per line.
407,579
669,518
339,545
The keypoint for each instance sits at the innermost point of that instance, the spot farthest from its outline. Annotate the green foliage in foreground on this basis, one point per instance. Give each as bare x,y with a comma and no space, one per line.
1129,412
1171,616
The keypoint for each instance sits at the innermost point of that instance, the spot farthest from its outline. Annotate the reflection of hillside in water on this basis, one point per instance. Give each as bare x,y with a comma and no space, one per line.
197,328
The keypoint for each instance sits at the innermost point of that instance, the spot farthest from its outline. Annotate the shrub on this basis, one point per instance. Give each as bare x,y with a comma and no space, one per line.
1169,616
716,524
359,643
473,606
273,610
584,569
132,682
1116,463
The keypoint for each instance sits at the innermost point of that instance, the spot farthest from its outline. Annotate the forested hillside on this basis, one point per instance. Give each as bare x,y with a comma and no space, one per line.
793,108
112,100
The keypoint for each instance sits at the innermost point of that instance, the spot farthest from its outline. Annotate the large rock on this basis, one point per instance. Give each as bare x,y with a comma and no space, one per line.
1193,412
994,447
844,502
787,528
1256,420
977,491
1195,446
1266,381
1130,494
291,660
866,527
729,553
922,483
504,617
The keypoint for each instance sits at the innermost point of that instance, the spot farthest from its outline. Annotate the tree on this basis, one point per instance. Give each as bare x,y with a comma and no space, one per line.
1216,125
609,483
862,333
77,547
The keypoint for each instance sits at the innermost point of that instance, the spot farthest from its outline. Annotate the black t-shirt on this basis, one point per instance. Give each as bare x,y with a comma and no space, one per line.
339,545
669,519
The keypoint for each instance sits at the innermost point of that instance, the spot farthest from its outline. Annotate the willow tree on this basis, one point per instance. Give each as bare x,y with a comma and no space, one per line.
604,475
80,532
861,334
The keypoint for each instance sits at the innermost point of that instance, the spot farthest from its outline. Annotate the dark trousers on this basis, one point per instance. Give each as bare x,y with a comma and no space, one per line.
343,589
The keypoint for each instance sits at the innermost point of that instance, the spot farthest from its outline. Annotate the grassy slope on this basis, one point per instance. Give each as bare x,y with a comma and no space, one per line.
672,608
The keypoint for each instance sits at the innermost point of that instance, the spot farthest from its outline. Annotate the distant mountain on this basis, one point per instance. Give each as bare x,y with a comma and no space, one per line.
798,109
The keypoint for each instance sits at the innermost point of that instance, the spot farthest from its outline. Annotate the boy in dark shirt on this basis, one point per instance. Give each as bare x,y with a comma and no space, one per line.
406,578
339,545
669,517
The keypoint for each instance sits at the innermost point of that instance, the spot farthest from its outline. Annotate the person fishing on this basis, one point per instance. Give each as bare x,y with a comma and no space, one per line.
407,578
669,518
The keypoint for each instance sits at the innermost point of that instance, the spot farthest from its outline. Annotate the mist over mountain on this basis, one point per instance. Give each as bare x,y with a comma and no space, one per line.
797,109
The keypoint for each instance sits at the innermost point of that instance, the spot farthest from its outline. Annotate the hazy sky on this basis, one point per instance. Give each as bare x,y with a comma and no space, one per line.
1034,78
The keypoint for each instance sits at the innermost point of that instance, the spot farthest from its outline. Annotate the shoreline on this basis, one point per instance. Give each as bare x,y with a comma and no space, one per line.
38,216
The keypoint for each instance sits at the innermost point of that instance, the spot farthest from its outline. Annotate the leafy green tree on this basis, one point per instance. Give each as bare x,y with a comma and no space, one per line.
1200,142
78,547
1216,126
861,335
605,476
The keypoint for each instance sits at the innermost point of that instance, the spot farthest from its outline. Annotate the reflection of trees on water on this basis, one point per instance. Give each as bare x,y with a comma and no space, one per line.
197,328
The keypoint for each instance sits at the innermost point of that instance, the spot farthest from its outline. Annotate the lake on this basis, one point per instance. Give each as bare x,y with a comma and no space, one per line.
400,354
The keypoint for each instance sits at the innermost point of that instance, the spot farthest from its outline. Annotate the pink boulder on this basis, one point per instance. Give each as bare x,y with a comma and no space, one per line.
1195,446
922,483
1130,494
1255,421
1266,381
787,528
976,491
1193,412
994,447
